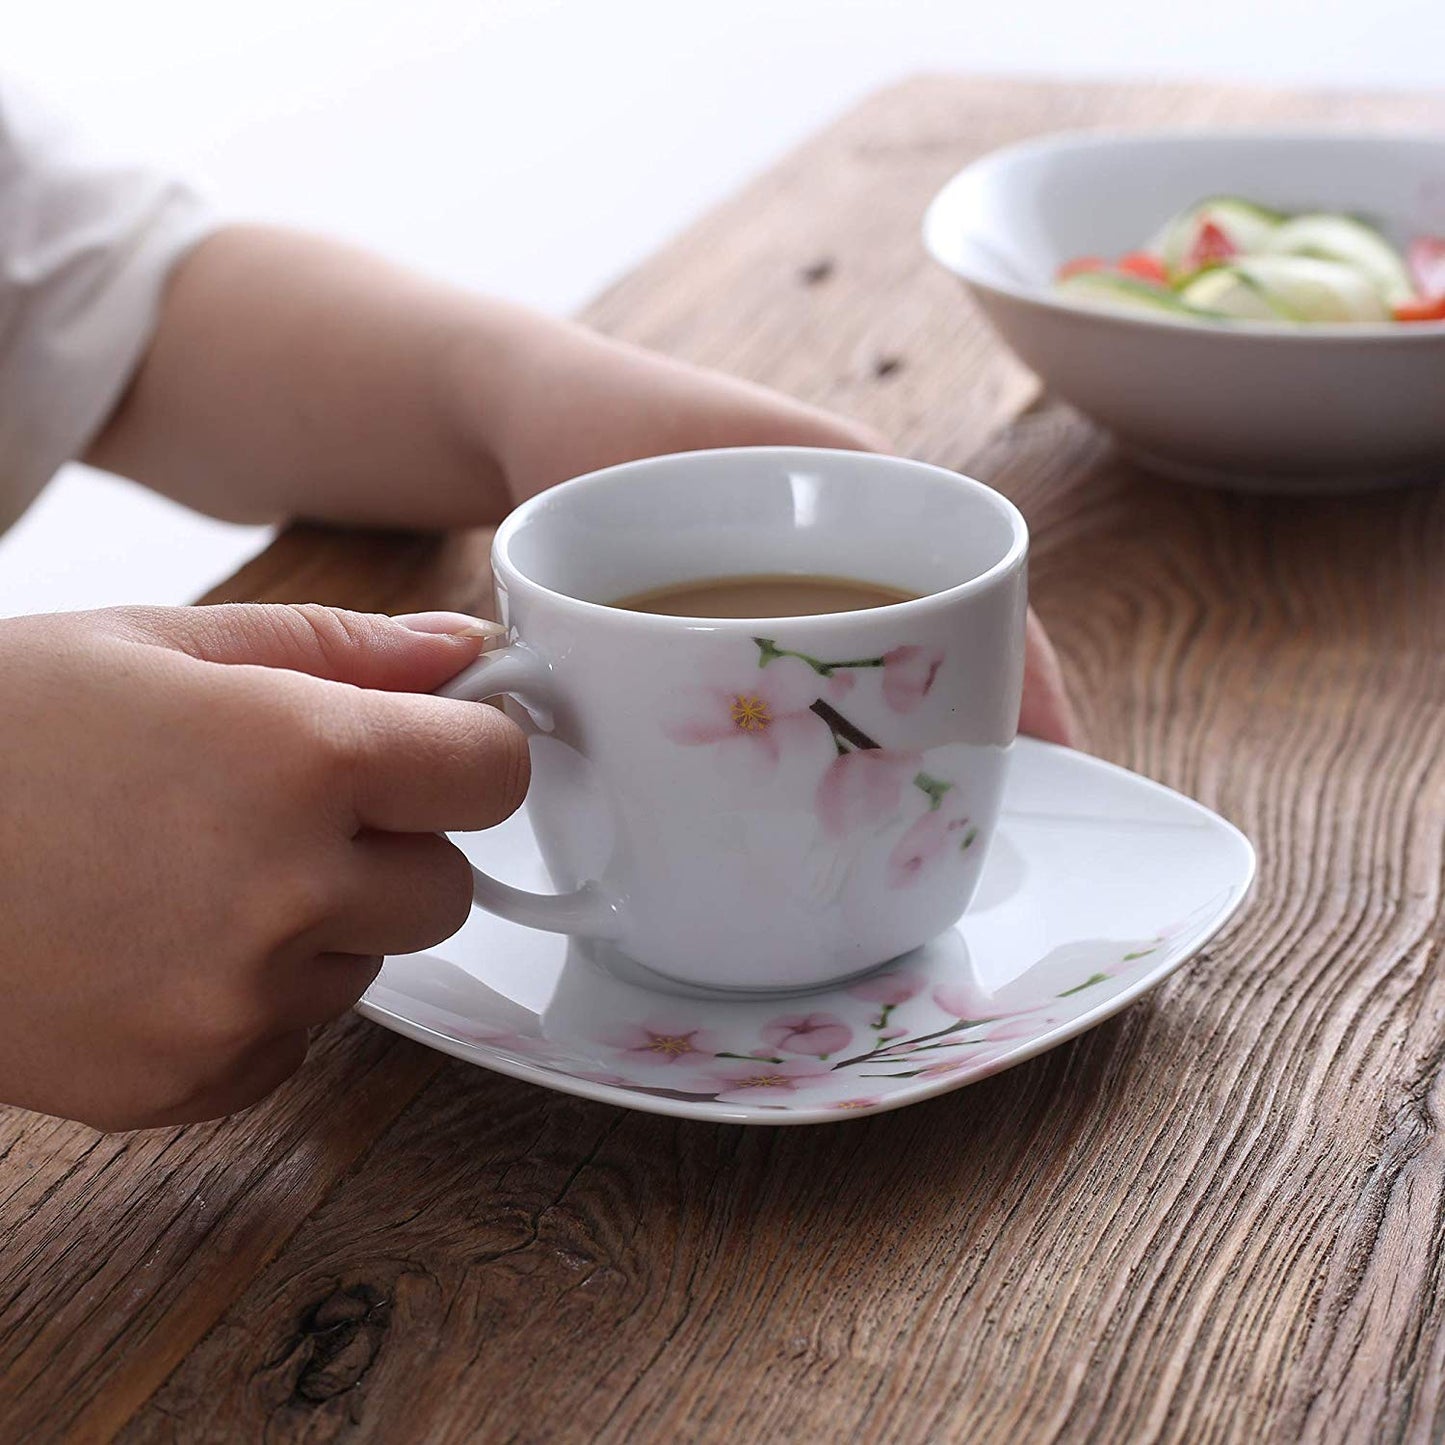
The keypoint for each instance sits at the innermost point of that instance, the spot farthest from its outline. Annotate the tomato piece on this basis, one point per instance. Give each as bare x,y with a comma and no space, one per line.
1081,266
1145,267
1427,264
1211,246
1422,308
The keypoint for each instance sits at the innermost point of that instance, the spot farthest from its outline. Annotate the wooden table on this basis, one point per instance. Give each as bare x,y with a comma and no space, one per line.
1218,1216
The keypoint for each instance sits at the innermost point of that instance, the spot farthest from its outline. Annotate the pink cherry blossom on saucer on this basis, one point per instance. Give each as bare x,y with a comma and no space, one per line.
1023,1026
964,999
938,833
1063,983
890,988
908,675
750,712
655,1044
761,1081
945,1067
923,1050
863,788
866,1103
818,1034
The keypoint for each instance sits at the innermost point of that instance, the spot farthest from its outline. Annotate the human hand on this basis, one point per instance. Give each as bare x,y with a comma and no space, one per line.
424,406
1047,712
215,822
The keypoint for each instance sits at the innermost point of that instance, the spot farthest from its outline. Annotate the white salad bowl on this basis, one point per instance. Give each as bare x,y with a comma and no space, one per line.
1260,406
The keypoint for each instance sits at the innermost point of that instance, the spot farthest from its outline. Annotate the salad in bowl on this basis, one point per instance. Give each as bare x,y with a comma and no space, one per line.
1232,259
1260,310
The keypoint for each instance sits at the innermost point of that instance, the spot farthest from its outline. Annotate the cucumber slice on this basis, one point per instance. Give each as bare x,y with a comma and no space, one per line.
1109,289
1247,225
1331,237
1288,288
1230,291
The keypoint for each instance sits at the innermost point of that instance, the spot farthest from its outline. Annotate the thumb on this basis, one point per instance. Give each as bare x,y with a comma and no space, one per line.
414,653
1046,711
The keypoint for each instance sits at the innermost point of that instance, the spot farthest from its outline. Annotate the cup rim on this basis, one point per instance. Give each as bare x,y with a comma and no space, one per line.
503,566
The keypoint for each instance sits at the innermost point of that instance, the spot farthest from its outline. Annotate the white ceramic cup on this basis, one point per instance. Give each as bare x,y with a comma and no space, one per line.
759,803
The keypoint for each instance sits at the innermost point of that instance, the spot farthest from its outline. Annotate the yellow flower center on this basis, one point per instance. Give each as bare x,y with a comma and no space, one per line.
673,1045
763,1081
750,713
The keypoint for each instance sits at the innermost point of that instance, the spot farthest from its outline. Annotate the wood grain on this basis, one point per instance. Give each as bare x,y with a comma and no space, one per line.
1217,1217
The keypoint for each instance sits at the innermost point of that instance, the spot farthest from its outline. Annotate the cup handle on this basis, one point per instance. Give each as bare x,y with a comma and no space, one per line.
518,672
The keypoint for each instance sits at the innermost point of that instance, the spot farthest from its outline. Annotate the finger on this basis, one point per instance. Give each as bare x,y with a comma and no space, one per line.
758,416
322,987
403,893
431,764
244,1082
1046,712
416,653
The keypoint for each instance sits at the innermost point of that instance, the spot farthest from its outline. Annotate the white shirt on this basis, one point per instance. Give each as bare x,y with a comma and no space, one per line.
85,249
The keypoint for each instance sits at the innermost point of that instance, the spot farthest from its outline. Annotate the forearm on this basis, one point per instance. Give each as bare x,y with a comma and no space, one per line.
291,375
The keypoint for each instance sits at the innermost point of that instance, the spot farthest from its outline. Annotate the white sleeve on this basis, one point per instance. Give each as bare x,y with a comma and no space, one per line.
85,249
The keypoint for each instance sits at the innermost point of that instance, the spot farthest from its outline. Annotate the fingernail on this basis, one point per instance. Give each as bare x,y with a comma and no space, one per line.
451,624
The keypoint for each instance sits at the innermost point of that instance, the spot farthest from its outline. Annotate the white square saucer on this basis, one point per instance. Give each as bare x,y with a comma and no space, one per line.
1099,884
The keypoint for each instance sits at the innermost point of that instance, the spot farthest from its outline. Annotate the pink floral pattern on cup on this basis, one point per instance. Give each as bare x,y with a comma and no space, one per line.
751,713
765,704
863,787
908,676
929,839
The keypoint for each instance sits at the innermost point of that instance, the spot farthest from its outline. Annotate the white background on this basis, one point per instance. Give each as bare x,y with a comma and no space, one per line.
538,147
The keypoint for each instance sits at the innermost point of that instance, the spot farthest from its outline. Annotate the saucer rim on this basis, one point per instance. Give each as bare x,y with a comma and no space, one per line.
710,1111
